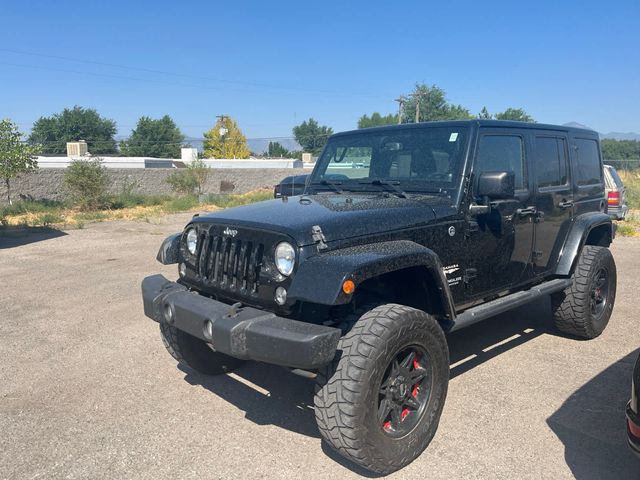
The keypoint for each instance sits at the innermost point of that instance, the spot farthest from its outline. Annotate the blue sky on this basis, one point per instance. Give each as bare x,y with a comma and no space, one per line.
271,65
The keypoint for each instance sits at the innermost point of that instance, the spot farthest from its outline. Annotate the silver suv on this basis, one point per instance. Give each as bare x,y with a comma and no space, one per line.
616,197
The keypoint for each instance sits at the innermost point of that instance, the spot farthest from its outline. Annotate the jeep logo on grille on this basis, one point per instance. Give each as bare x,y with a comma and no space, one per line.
231,232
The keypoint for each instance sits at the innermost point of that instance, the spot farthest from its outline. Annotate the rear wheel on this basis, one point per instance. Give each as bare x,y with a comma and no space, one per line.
583,310
380,401
195,353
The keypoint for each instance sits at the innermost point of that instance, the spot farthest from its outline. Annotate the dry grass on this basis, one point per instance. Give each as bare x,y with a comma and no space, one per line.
60,216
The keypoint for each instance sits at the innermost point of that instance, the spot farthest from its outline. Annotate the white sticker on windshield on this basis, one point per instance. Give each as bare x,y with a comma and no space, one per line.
453,137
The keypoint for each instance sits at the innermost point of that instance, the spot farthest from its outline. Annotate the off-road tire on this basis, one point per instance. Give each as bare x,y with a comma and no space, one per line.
572,307
346,392
195,353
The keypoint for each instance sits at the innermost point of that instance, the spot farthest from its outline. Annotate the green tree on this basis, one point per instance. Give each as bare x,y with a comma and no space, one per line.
16,157
154,138
377,120
312,136
275,149
225,140
433,105
86,182
515,114
73,124
484,114
620,149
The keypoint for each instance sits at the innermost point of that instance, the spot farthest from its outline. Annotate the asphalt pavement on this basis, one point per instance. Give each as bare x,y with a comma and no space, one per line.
87,389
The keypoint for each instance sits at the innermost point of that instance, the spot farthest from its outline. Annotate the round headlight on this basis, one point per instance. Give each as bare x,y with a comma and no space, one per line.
192,241
285,258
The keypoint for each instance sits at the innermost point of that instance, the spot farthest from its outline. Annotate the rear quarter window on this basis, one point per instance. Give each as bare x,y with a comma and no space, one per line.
588,166
616,178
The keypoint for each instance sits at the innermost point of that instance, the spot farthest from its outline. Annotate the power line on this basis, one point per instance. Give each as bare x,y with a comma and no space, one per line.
175,74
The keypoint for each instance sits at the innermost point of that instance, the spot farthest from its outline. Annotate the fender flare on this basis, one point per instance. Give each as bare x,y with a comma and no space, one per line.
577,237
319,279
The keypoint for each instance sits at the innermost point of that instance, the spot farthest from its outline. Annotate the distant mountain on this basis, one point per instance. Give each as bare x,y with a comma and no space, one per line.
621,136
256,145
610,135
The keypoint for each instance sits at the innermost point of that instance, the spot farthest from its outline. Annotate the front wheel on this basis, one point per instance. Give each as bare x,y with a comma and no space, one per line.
380,401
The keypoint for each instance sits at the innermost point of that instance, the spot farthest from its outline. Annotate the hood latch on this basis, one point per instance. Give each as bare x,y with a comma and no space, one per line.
319,238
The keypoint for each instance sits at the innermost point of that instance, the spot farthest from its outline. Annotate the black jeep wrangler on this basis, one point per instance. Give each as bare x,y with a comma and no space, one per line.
403,234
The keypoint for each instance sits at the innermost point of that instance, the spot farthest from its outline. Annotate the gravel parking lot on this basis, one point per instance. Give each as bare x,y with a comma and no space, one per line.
88,391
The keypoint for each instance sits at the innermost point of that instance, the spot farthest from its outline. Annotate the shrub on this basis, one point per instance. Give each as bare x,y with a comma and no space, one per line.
191,179
182,182
86,181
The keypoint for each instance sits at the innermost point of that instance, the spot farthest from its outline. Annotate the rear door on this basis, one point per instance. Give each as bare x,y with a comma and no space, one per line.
588,181
553,197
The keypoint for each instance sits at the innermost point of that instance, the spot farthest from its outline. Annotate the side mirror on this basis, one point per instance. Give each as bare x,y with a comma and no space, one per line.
496,185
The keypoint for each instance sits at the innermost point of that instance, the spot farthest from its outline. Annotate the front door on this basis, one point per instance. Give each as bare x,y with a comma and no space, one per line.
499,243
554,198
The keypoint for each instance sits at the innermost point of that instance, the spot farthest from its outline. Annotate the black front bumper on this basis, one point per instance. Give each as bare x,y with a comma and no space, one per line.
241,332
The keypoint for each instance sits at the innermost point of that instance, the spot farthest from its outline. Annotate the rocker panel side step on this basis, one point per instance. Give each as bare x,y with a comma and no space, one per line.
508,302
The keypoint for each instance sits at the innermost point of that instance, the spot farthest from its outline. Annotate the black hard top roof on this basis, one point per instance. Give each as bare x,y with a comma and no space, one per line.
477,123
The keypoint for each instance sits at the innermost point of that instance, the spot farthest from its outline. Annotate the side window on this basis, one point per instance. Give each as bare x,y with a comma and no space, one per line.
551,161
588,165
502,153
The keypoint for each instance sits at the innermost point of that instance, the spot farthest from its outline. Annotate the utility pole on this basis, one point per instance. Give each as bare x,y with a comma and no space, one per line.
222,117
401,99
418,97
223,131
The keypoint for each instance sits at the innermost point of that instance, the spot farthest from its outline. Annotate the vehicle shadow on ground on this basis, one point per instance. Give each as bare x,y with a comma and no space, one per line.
479,343
11,237
271,395
591,425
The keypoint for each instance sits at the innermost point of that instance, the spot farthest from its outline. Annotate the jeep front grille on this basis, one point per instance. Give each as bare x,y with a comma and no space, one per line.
228,263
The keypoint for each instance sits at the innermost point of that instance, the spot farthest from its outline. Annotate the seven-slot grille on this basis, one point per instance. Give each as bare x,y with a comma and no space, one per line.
229,263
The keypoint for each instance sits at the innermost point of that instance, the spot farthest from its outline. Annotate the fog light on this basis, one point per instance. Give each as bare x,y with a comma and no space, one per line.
281,296
208,329
168,313
182,269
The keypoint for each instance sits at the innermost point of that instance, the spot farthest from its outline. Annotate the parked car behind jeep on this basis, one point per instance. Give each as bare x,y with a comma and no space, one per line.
616,194
404,234
290,186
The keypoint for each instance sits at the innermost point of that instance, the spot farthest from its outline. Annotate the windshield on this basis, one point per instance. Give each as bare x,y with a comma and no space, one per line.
428,159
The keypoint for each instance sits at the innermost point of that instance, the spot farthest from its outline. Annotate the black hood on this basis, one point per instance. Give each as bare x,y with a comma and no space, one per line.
339,216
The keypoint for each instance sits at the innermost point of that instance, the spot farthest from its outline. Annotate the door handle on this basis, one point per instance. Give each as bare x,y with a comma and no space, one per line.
566,204
527,211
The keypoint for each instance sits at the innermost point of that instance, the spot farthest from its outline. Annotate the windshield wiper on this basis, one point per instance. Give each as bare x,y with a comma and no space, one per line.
333,185
392,186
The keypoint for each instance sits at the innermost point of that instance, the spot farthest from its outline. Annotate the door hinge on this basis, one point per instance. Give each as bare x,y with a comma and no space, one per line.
537,255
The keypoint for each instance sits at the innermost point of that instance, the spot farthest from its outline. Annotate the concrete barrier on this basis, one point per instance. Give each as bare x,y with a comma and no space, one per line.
48,183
